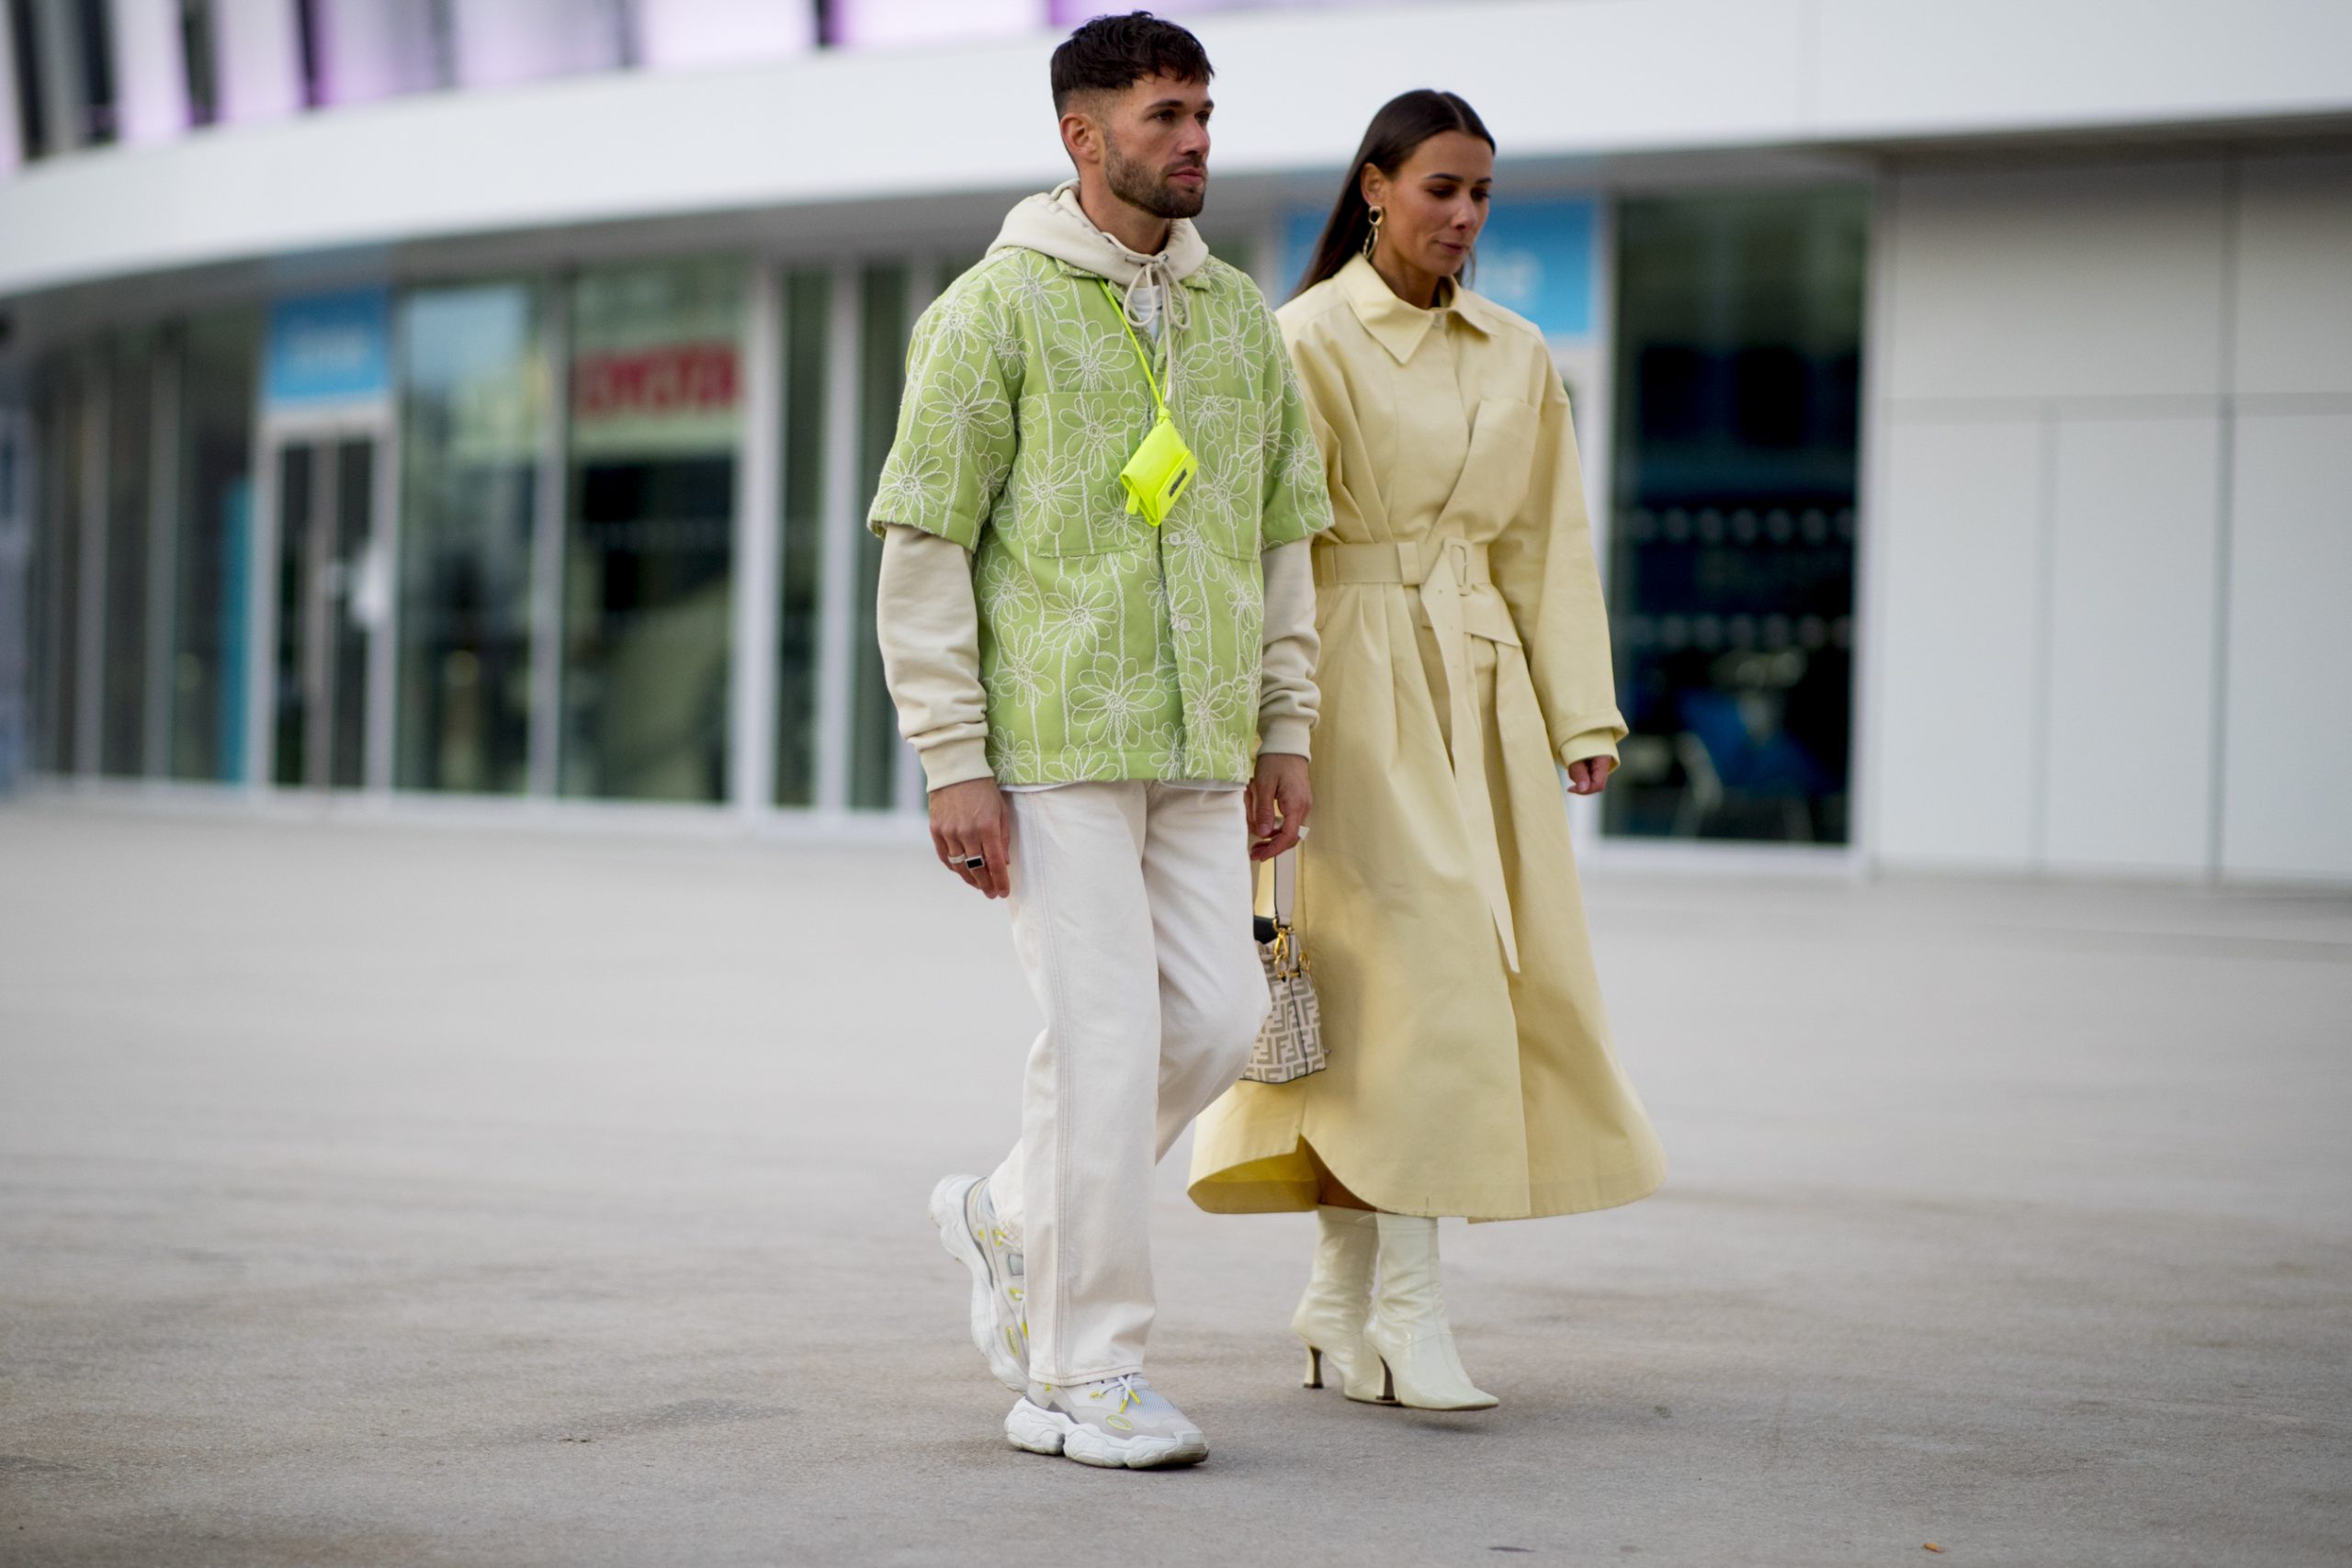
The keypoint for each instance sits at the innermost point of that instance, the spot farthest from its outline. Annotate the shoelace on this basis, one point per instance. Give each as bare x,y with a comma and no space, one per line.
1129,1386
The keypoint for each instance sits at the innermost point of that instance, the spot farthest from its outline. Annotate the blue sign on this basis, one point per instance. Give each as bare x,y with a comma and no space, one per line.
1539,258
329,348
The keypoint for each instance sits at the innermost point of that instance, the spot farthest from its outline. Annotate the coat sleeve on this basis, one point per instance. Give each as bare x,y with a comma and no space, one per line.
1297,504
1544,566
1287,699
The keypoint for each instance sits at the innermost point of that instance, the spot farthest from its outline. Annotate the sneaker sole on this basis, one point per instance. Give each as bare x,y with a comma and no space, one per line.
1034,1429
956,1238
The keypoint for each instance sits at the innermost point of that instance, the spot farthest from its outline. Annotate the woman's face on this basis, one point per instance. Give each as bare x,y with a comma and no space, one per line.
1434,206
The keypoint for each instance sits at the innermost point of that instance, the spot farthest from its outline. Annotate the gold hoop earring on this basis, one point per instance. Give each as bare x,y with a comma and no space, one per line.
1371,235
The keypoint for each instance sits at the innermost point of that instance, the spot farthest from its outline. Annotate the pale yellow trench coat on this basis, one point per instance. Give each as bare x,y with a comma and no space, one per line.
1464,659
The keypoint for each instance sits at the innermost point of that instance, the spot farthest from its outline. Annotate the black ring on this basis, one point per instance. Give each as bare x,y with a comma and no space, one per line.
974,862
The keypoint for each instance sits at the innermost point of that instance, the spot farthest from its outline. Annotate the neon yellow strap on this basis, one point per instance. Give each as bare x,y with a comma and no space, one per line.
1142,358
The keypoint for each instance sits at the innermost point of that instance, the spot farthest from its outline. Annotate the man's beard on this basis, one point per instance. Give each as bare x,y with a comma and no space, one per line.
1139,184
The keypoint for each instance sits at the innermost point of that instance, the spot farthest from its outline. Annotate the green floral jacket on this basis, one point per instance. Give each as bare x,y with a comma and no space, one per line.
1109,648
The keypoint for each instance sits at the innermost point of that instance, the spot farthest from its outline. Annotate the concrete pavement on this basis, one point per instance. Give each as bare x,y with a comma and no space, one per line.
378,1194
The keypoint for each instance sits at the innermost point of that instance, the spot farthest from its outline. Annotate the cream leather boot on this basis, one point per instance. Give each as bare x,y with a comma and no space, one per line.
1409,1330
1330,1314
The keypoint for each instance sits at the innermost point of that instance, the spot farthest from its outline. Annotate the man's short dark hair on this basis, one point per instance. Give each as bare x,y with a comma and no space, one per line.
1111,54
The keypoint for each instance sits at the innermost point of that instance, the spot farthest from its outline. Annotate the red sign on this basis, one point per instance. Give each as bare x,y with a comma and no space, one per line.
668,381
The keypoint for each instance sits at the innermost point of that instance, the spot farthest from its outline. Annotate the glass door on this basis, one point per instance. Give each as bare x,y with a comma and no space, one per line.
327,529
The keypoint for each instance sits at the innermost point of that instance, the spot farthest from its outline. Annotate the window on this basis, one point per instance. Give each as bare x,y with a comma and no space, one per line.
808,327
200,60
473,409
130,378
219,367
33,100
886,322
648,545
1732,538
60,416
64,54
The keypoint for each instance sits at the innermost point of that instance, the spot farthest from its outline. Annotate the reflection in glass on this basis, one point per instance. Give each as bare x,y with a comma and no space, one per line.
473,407
884,326
326,522
59,414
348,620
807,320
1732,541
129,377
649,543
220,357
296,506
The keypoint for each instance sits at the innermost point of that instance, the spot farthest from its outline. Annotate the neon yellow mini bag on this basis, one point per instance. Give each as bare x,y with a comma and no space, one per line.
1163,466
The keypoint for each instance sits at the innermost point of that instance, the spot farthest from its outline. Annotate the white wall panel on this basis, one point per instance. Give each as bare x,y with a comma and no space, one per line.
688,33
2289,743
641,144
370,49
502,42
259,58
2293,298
2134,523
1556,78
1957,639
1886,63
867,24
150,77
2071,282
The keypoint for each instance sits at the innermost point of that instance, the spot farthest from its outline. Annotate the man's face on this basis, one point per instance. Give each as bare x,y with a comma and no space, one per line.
1156,145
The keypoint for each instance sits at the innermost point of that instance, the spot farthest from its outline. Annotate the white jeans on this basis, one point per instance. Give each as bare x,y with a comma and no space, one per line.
1131,906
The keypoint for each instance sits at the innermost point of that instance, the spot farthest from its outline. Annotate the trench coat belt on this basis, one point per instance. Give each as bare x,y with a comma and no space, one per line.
1444,570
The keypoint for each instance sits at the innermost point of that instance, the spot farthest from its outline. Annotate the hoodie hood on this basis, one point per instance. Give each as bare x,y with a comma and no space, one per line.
1055,225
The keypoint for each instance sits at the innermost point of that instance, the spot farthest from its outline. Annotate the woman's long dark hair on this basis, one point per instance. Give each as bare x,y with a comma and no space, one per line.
1403,123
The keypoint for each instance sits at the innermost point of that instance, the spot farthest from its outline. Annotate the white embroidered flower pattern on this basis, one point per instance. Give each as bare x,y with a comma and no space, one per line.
1091,434
1117,697
1009,596
971,417
1022,672
1091,362
915,491
1077,614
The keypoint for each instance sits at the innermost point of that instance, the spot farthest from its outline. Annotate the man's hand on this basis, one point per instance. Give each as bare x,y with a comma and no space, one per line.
1279,801
1589,775
970,818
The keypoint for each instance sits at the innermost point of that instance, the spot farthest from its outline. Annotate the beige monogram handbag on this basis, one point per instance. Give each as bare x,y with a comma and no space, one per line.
1290,1043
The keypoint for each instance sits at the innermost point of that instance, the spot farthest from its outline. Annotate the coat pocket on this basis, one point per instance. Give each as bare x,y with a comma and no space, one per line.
1496,470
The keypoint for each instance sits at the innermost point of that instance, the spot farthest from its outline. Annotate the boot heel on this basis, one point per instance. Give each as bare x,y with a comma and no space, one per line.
1314,1368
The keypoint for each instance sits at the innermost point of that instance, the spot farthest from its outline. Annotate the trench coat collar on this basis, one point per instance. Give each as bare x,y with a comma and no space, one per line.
1398,326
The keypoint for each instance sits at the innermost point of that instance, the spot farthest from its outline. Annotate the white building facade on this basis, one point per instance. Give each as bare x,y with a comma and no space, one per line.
471,405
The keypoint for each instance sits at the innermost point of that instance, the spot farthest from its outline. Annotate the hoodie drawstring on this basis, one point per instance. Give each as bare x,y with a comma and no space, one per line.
1151,272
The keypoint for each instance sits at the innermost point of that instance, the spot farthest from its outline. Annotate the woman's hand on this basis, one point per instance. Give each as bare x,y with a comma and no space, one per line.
1590,774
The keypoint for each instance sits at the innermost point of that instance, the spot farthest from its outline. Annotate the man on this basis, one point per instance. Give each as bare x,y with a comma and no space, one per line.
1093,673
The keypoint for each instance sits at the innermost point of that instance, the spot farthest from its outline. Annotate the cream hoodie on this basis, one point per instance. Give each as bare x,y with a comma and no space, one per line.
927,617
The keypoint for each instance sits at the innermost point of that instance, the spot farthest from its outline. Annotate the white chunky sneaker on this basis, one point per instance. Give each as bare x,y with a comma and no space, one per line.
967,1229
1119,1423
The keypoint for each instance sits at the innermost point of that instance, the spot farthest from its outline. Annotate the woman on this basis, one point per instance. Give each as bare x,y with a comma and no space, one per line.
1464,661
